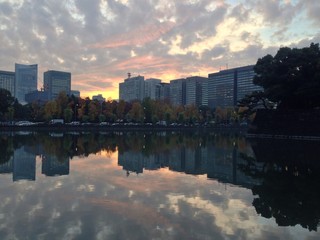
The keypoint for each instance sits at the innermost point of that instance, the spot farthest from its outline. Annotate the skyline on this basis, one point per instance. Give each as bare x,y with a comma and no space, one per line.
100,41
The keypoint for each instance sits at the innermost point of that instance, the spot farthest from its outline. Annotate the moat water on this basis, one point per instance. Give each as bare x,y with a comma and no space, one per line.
164,185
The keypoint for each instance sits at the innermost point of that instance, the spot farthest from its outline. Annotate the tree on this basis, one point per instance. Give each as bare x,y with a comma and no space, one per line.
67,114
6,100
62,103
136,113
290,79
251,102
50,110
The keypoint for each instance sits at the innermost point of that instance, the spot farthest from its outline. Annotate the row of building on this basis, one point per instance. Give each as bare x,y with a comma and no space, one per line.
224,88
23,83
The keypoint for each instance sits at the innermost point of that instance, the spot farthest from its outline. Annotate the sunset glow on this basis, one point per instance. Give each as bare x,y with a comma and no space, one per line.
100,41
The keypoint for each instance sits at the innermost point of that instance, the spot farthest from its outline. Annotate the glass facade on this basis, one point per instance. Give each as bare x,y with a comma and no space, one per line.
178,92
25,80
245,82
7,81
194,90
56,82
221,89
227,87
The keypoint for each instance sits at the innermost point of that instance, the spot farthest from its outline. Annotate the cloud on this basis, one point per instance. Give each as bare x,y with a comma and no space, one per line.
99,41
139,36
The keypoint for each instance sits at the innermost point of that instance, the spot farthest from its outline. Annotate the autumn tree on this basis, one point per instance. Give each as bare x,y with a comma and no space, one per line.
136,113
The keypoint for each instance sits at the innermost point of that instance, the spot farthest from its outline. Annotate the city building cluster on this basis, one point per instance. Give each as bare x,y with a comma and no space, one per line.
221,89
23,83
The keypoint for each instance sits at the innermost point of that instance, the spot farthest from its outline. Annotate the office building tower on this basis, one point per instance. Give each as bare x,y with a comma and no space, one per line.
194,90
152,88
178,92
227,87
132,89
205,93
164,92
25,80
99,98
7,81
56,82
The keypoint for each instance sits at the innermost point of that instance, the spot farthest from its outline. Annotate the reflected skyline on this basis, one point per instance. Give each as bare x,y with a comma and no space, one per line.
195,155
182,173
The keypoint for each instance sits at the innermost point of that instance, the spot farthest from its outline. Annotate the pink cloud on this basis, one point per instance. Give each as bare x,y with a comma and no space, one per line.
138,36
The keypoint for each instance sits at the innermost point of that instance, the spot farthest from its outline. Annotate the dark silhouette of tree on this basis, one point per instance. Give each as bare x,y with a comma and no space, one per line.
290,79
6,100
290,179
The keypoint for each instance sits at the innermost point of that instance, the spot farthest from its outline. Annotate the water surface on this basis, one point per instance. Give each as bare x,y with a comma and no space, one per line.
157,186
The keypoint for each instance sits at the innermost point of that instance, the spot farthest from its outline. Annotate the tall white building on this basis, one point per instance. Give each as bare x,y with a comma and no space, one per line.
132,89
152,88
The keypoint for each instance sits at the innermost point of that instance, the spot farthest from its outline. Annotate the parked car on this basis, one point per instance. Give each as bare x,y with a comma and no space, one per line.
57,121
24,123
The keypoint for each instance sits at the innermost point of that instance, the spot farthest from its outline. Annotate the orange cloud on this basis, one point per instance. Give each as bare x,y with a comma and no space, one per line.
145,63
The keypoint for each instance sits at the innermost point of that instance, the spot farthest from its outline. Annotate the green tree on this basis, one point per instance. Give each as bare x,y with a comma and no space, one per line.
62,103
136,113
290,79
67,114
50,110
120,111
6,100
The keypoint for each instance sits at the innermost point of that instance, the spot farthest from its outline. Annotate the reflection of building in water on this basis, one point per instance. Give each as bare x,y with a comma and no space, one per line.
131,161
223,166
195,161
177,160
51,166
24,165
7,167
219,163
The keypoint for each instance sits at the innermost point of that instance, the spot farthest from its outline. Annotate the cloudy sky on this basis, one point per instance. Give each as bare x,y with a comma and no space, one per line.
100,41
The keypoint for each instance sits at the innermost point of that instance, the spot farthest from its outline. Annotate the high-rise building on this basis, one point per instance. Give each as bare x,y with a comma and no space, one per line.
178,91
152,88
194,90
7,81
26,77
227,87
132,89
164,91
56,82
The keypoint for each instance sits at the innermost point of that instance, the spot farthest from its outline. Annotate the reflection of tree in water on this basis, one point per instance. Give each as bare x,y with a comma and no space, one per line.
290,174
6,149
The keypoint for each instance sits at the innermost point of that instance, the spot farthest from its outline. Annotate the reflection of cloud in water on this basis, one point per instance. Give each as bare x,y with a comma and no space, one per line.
147,217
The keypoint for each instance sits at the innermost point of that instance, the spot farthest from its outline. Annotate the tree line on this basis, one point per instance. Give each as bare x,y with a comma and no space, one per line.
71,108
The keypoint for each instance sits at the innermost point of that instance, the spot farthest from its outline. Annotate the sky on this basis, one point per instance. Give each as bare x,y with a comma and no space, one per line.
100,41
